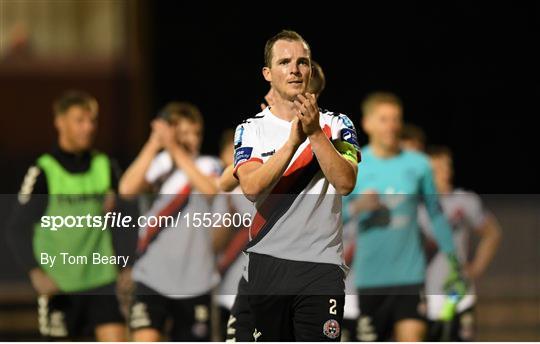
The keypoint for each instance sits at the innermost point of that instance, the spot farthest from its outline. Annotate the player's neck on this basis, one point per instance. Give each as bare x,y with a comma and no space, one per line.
65,146
283,109
445,188
384,151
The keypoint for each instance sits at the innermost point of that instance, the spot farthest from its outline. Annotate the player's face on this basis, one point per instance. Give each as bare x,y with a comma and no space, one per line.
291,68
384,125
77,128
442,171
189,135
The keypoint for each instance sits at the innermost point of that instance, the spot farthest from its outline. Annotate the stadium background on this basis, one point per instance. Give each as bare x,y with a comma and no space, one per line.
466,74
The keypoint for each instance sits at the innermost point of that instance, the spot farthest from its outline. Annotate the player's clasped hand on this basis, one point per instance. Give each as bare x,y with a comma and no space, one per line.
164,132
297,136
42,283
370,201
154,139
308,113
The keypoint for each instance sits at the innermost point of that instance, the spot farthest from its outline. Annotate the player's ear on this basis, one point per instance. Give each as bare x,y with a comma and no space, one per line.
267,74
59,121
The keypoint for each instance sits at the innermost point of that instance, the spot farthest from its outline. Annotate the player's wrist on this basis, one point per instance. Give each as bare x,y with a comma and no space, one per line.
172,147
472,271
291,146
152,145
316,134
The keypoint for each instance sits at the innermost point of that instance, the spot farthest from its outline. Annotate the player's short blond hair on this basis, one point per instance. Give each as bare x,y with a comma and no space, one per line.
287,35
377,98
182,110
74,98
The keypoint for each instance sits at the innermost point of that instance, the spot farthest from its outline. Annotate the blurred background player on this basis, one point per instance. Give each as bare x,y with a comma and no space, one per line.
351,311
413,137
230,242
467,216
72,179
389,263
239,325
175,271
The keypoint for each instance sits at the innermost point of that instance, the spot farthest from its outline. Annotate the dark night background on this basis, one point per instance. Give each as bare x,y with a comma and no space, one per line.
467,73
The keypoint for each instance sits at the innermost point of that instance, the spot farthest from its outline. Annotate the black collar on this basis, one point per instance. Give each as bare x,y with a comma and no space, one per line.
74,163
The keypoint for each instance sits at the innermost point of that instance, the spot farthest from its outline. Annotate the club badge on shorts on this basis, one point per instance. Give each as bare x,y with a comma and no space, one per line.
331,329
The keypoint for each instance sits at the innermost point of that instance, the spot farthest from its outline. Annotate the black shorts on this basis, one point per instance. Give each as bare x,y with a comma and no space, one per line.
295,301
240,326
186,319
382,308
224,317
460,329
77,315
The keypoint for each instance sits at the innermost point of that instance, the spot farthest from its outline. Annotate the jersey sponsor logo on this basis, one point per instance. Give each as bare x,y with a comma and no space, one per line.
272,152
331,329
349,135
242,154
238,136
346,121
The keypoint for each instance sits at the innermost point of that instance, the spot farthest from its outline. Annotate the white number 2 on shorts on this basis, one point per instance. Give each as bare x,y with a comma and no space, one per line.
333,304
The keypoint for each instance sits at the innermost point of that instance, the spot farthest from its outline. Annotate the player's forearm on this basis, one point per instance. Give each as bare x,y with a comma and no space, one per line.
133,181
263,178
201,182
227,182
20,230
21,245
339,171
487,247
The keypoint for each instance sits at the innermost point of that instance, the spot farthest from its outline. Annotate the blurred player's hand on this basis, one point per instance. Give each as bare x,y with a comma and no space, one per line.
296,136
165,133
42,283
308,113
369,201
471,272
154,139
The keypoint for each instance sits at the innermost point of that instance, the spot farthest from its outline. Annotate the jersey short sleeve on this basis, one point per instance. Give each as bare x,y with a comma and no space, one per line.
246,145
345,139
161,165
209,166
475,211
